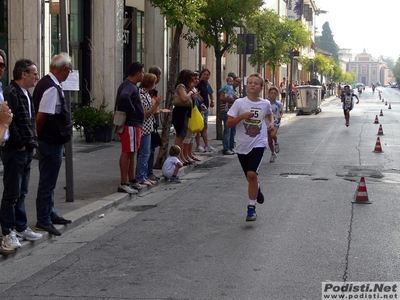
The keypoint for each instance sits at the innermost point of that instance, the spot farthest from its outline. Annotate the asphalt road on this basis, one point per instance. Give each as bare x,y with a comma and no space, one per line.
191,241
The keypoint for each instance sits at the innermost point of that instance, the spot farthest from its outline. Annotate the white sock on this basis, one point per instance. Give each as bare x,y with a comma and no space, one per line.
252,202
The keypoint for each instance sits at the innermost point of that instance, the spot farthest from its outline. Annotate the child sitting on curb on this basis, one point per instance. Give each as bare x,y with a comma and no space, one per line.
172,165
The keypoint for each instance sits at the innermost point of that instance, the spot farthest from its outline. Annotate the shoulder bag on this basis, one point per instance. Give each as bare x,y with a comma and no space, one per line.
119,120
178,101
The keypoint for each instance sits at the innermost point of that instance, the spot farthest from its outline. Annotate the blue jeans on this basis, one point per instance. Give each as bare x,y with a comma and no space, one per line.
228,137
17,169
143,157
150,162
50,159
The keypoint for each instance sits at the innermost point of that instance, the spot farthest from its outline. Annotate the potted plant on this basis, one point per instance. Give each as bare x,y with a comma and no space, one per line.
97,122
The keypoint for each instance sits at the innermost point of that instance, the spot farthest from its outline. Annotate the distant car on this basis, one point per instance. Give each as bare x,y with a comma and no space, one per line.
393,85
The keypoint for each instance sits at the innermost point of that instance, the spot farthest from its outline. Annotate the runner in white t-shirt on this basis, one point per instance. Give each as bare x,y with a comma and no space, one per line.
250,115
277,112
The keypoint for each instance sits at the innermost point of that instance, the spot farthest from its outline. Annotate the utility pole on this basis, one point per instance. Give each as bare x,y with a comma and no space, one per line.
69,172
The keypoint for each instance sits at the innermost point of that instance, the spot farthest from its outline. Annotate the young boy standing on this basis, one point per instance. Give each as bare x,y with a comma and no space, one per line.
277,112
250,114
348,103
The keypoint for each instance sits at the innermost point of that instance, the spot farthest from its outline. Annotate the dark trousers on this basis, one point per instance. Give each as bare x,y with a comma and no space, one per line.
50,159
17,168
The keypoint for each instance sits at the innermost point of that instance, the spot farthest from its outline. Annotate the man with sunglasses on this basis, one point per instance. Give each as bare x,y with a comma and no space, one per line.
3,130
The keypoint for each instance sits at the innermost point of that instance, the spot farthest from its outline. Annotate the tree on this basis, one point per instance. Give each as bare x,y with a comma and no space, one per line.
275,39
326,41
218,28
337,71
322,64
177,13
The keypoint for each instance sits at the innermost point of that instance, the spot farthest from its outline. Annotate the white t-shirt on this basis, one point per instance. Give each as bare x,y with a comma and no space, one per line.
250,133
169,166
51,102
277,109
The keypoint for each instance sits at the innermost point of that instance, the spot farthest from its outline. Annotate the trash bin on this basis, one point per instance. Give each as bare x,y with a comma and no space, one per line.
308,99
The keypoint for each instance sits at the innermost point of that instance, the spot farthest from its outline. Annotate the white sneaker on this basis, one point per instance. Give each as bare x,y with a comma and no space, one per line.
200,149
11,241
28,235
124,188
210,149
137,186
273,157
277,148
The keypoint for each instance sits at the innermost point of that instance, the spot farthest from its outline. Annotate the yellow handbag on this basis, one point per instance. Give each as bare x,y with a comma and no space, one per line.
196,121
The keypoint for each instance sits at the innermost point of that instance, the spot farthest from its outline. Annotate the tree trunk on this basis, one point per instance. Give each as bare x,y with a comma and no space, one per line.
218,56
167,120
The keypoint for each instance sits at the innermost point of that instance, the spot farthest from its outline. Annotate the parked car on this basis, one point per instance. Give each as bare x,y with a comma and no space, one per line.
393,85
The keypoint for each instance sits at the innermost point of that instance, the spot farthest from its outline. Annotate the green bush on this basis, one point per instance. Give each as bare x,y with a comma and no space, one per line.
91,117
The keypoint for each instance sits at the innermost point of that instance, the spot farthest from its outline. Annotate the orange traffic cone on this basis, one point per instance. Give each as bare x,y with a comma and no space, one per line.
390,107
381,114
361,194
378,147
380,131
376,120
386,103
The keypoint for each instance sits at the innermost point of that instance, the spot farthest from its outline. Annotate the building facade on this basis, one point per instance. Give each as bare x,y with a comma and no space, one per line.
104,36
369,70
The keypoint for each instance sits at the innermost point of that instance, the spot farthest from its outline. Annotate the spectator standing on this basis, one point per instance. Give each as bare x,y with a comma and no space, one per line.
154,94
250,114
128,100
17,155
206,92
187,150
5,121
283,90
54,129
147,84
228,138
182,109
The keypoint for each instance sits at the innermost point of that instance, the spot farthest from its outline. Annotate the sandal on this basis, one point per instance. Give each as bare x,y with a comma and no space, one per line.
195,158
190,160
145,182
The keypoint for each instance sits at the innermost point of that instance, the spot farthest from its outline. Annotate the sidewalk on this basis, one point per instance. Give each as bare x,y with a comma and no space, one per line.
96,177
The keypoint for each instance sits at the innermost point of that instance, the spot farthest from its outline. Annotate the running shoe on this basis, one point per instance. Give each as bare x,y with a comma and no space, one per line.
175,179
260,196
273,157
251,213
277,148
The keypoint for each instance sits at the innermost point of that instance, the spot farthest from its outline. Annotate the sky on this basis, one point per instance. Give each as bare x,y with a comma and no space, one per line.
362,24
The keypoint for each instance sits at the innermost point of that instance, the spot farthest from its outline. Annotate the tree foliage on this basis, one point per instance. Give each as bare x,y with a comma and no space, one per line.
396,70
326,41
218,27
177,13
275,39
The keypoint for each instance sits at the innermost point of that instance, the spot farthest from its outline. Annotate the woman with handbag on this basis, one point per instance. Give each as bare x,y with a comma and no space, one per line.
146,85
182,108
197,100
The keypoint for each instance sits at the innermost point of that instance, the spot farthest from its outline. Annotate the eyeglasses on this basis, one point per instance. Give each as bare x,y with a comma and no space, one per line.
34,73
2,65
70,70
